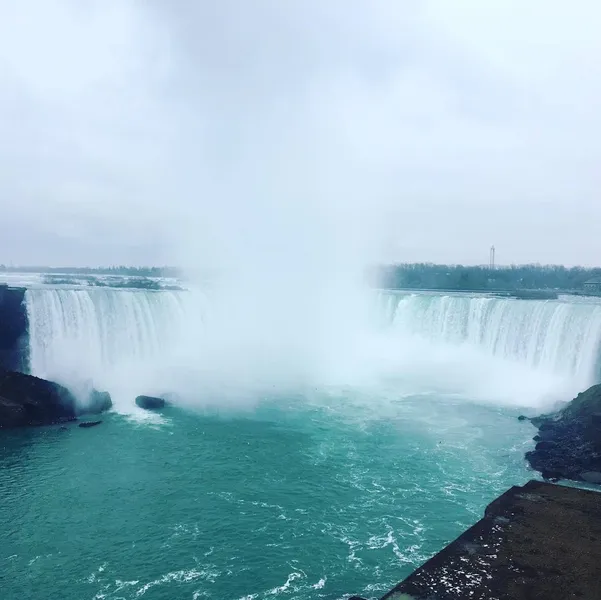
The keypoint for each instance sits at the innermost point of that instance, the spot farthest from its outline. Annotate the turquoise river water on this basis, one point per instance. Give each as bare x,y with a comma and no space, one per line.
303,498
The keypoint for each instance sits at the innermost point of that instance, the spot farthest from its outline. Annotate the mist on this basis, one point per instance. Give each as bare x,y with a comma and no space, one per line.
285,148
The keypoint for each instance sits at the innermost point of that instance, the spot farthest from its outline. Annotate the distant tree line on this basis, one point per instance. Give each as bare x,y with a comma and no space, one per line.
400,276
114,281
114,270
460,277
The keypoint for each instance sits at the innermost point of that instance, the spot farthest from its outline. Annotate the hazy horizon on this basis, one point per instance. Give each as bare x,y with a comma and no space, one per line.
380,264
187,133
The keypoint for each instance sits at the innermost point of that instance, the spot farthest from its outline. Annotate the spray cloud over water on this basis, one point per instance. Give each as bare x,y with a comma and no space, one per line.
289,294
267,143
287,220
504,351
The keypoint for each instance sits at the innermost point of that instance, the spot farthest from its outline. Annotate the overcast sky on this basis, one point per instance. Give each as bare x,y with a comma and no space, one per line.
155,131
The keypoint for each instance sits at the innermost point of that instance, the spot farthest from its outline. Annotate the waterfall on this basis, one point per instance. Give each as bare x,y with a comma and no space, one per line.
81,334
138,341
560,337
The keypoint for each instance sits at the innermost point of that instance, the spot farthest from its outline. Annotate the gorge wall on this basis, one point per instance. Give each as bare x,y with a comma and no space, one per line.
14,342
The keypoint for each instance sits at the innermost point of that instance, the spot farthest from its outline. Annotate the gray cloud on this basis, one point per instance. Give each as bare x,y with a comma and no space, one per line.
211,131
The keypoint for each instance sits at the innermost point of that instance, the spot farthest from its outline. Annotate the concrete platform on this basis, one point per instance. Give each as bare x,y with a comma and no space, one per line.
536,542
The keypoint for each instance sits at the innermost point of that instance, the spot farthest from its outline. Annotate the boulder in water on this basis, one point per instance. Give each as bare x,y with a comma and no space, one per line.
150,402
86,424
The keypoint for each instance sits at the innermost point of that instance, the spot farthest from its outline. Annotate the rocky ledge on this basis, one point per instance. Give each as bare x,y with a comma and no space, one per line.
569,440
28,401
536,542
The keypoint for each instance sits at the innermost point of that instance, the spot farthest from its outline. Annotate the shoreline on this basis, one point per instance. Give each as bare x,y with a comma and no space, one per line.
539,540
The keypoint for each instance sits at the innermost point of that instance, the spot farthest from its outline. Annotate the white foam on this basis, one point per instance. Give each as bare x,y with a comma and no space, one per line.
320,584
284,588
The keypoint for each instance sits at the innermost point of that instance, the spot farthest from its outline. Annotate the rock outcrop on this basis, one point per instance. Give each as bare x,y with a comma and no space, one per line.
14,347
88,424
150,402
28,401
98,402
569,441
535,542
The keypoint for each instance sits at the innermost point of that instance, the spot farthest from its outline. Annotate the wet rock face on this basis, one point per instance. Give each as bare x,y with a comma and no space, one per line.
14,353
569,441
29,401
150,402
98,402
591,477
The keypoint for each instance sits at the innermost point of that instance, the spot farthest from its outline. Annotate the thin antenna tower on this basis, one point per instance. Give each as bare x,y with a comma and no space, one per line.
492,258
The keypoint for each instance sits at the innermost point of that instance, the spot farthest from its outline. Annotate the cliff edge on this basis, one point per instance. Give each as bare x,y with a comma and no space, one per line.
536,542
28,401
569,440
14,342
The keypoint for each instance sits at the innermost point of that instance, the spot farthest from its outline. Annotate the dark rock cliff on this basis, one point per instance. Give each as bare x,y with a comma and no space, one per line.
150,402
26,400
14,343
569,440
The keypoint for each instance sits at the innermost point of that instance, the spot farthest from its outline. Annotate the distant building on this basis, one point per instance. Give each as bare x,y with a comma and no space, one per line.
593,285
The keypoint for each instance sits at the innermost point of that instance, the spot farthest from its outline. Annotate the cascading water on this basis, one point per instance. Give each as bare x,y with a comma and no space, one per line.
558,337
102,335
493,349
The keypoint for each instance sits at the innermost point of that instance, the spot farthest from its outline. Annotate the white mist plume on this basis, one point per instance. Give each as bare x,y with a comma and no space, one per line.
287,225
281,145
289,260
